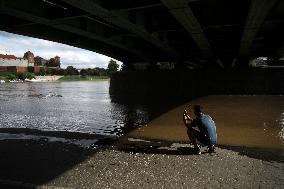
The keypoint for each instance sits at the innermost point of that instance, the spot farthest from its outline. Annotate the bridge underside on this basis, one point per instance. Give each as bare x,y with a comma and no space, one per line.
202,33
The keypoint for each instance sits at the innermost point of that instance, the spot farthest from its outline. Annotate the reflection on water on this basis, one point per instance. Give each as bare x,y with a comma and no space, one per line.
86,107
256,121
67,106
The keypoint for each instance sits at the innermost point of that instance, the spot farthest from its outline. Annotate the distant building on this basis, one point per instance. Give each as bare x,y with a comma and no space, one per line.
57,60
30,57
7,56
39,61
10,63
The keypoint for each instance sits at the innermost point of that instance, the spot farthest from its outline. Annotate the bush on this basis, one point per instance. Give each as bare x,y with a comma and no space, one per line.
11,77
60,72
42,72
21,76
29,75
26,75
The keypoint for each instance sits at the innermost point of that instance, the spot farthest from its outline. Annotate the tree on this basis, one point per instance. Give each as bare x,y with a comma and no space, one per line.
112,66
61,71
90,71
53,62
83,72
70,70
100,71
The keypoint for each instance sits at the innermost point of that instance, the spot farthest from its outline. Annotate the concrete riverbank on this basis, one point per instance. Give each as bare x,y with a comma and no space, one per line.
48,78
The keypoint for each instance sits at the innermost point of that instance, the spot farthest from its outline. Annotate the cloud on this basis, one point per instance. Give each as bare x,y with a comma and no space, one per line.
70,56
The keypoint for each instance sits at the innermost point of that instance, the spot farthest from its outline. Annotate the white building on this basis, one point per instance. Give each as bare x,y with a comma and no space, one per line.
14,62
10,63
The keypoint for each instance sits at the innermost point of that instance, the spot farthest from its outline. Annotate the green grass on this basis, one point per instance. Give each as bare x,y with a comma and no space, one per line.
14,75
4,75
84,78
2,78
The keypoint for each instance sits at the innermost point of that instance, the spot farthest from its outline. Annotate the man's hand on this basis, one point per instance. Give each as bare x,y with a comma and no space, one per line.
187,120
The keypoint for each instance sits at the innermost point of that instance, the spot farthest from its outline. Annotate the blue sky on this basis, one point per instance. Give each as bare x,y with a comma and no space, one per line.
70,56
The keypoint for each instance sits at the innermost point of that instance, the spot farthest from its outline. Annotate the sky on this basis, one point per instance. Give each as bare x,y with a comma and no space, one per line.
70,56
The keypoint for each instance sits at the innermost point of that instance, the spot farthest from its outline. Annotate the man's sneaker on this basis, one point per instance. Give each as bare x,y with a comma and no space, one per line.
211,149
197,151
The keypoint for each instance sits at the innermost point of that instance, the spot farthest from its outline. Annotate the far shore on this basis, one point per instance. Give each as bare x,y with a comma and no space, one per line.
51,78
84,78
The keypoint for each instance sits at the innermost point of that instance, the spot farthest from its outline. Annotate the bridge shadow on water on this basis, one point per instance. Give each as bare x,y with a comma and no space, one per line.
140,110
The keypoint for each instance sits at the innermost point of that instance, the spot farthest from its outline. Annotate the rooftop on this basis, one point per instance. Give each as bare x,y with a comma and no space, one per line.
7,56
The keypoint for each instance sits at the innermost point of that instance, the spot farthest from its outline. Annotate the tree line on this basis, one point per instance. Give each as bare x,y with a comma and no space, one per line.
113,67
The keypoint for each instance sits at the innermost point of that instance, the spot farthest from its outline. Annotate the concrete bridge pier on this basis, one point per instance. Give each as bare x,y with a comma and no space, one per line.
171,85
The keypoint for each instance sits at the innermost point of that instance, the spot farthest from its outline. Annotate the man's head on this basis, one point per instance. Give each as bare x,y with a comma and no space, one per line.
197,110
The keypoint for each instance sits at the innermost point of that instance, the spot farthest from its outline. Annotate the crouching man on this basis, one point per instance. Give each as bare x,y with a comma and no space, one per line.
206,133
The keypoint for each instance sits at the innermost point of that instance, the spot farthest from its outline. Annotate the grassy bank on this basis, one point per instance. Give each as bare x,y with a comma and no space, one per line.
8,76
12,76
84,78
4,75
2,78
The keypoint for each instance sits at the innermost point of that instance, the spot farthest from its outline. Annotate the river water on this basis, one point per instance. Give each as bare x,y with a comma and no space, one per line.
256,121
252,121
67,106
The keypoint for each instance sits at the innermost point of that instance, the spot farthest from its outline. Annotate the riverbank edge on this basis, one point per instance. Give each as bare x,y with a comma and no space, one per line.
53,78
61,163
128,142
84,78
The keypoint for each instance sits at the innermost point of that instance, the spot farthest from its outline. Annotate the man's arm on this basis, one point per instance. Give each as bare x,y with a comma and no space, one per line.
187,120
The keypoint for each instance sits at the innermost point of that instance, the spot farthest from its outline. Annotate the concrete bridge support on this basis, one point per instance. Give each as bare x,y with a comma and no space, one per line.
162,86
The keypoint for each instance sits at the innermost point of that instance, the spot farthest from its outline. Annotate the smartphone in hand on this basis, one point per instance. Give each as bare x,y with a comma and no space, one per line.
186,117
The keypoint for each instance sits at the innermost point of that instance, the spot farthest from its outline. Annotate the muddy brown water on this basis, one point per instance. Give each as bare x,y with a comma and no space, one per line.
253,121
